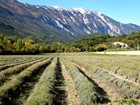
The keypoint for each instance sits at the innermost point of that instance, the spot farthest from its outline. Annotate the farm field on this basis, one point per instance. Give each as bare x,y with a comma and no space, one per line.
120,52
70,79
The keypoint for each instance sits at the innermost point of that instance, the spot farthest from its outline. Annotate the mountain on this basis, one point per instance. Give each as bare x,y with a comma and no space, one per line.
22,18
56,23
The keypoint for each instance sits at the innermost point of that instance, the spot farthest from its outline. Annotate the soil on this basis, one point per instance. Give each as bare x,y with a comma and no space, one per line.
72,96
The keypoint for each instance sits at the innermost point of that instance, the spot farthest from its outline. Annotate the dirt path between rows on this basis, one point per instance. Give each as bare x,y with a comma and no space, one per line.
59,86
72,96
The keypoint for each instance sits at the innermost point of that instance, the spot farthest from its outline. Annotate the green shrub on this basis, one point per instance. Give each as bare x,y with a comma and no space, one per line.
101,47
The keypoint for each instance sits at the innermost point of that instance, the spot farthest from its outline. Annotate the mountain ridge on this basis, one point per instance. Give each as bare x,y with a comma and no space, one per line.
93,14
54,22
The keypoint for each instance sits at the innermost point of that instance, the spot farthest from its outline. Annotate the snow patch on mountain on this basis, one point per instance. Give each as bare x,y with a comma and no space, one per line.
59,24
81,10
88,21
58,8
26,4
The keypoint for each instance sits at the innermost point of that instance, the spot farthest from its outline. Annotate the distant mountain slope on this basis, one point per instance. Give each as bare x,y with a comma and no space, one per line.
14,14
55,23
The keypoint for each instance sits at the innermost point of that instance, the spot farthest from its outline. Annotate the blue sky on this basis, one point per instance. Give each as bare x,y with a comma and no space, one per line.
125,11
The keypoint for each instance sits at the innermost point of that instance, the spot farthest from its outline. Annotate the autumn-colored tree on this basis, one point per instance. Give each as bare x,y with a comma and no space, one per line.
5,45
72,49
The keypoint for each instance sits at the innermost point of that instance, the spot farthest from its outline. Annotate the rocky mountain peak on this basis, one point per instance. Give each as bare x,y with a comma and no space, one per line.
68,21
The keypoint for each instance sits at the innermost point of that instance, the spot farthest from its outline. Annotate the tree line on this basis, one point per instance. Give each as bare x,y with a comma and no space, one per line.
29,46
101,43
90,44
